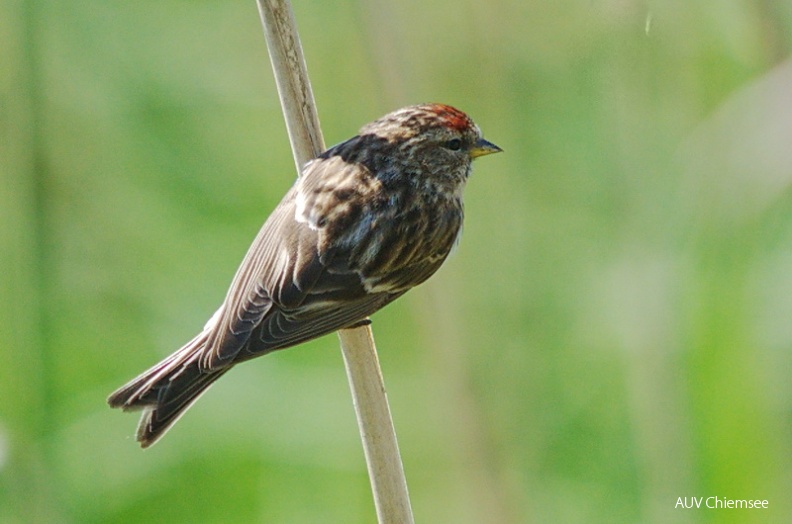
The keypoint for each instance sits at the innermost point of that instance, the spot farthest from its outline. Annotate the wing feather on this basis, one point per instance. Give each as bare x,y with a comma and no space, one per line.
248,299
289,288
321,263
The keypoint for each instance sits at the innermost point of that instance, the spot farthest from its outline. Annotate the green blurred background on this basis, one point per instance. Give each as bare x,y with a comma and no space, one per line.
615,331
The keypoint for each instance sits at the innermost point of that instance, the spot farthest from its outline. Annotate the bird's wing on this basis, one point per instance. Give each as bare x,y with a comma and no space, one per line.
249,297
284,329
290,286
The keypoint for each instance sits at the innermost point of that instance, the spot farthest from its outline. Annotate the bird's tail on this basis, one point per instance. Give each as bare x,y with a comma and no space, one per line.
165,391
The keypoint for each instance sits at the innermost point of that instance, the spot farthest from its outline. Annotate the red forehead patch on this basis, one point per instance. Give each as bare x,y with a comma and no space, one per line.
452,117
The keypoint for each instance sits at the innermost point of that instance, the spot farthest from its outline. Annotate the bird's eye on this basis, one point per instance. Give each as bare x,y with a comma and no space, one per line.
455,144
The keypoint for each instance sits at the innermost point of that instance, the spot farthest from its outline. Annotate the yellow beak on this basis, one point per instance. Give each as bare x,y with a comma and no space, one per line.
483,147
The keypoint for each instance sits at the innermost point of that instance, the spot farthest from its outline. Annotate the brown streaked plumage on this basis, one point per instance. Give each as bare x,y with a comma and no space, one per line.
366,221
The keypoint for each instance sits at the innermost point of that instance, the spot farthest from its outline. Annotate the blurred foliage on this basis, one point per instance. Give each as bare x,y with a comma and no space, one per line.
614,333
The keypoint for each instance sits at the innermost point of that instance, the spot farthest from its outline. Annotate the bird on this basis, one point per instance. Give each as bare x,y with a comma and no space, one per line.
366,221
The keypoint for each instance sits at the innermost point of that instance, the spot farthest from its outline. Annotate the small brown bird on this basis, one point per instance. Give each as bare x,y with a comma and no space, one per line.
366,221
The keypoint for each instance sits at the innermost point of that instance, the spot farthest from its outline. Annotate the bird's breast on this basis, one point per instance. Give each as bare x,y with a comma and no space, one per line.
402,244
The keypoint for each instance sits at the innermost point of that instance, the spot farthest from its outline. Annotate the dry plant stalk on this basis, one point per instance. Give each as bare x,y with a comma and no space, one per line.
386,472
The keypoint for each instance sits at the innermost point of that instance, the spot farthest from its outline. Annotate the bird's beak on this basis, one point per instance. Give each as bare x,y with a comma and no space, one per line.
482,147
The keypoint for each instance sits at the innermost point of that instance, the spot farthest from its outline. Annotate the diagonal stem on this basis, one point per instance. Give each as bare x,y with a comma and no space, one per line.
385,469
291,77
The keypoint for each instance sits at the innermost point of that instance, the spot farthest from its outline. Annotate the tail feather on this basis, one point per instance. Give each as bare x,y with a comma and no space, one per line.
165,391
